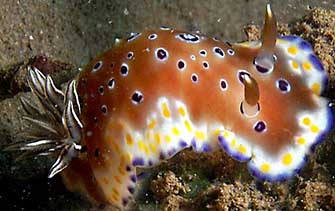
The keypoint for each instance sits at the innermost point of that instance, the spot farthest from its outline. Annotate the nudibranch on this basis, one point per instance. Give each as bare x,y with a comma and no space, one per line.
158,92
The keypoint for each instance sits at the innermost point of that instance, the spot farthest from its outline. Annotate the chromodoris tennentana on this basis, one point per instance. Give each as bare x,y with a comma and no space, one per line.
158,92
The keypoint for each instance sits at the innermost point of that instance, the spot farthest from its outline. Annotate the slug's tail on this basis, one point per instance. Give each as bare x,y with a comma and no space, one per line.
54,114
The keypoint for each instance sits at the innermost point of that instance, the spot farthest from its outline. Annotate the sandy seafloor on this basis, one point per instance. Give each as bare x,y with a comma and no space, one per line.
70,33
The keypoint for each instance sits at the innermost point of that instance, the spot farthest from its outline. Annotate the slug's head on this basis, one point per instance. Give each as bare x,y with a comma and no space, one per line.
57,132
54,115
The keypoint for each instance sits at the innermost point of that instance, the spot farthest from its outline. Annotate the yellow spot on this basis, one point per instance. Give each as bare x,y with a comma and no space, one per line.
125,158
115,146
129,139
167,138
287,159
157,138
314,129
166,111
128,157
147,135
117,179
233,143
292,50
152,124
316,88
114,198
143,147
225,134
188,125
307,66
121,170
265,167
217,132
242,149
182,111
306,121
105,180
200,135
295,65
115,192
301,140
175,131
153,147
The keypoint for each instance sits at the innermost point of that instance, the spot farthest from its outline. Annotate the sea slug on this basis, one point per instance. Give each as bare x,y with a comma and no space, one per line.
158,92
